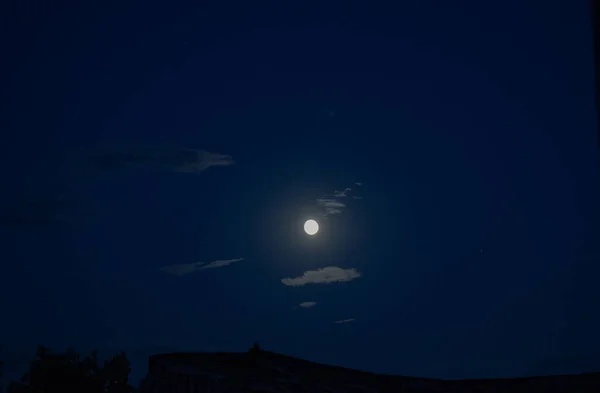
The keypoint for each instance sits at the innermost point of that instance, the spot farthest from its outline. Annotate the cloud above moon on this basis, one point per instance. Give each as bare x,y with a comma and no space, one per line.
343,193
204,160
325,275
179,160
184,269
332,204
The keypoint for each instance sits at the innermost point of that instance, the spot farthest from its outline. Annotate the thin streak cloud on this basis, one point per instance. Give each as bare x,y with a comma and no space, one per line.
204,160
187,268
220,263
345,320
179,160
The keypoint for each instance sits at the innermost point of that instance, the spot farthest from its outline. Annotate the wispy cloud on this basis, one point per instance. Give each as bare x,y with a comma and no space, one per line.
332,204
325,275
345,320
343,193
187,268
204,160
180,160
307,304
221,263
358,184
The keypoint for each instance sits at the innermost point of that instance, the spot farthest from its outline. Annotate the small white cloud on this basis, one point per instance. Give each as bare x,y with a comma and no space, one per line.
357,197
183,269
345,320
358,184
323,276
307,304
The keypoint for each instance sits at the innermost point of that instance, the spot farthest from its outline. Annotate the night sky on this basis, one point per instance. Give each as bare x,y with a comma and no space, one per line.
158,164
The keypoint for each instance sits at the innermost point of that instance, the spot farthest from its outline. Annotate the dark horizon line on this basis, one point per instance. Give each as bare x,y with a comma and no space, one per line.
357,371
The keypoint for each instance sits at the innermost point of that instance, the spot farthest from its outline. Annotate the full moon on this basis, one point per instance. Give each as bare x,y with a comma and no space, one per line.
311,227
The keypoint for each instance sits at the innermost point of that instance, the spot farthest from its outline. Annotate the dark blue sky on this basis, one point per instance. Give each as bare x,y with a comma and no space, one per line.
472,251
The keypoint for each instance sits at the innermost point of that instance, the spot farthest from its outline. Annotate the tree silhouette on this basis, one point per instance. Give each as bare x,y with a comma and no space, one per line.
68,373
255,348
116,373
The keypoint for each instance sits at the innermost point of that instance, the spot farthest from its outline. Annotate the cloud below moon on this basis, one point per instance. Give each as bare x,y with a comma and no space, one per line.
325,275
